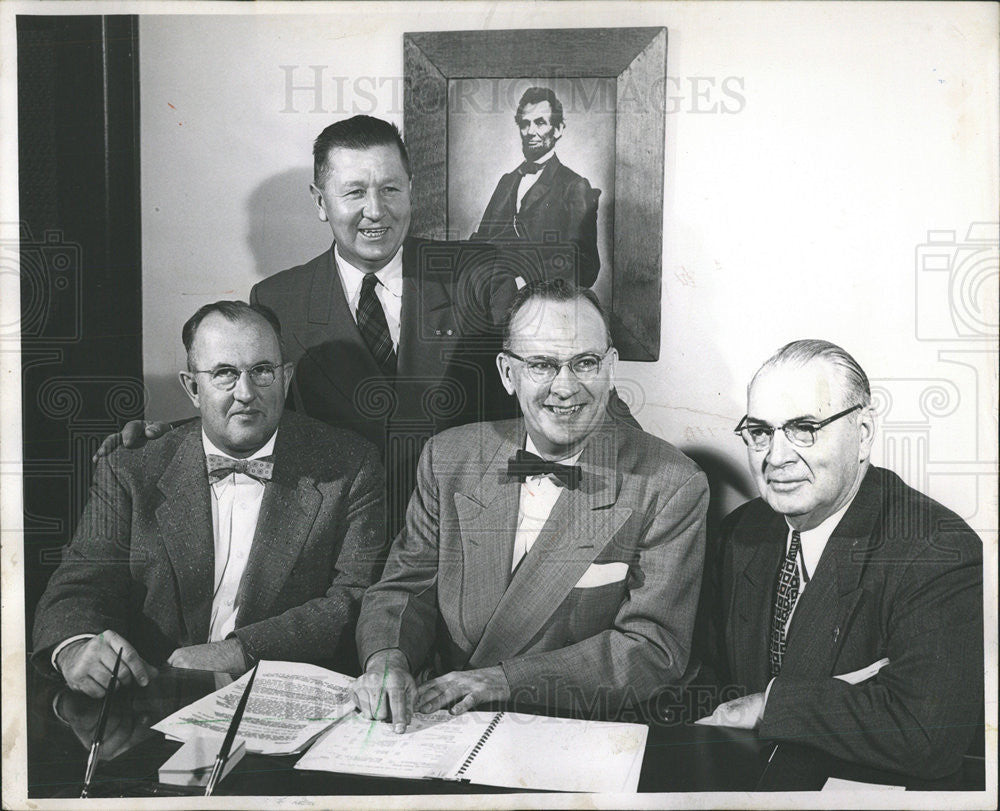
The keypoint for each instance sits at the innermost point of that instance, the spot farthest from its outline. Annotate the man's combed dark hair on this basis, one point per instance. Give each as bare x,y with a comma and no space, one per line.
552,290
358,132
535,95
232,311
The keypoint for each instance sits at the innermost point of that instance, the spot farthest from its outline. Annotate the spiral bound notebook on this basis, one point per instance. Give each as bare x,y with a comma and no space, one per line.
515,750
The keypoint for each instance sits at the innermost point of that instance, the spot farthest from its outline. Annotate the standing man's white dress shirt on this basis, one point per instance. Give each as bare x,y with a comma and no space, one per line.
389,291
236,501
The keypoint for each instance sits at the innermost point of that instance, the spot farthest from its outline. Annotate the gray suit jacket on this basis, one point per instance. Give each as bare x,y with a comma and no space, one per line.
142,558
901,577
564,637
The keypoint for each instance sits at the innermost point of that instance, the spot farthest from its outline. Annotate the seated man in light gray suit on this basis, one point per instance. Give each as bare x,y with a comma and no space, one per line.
243,535
554,560
848,606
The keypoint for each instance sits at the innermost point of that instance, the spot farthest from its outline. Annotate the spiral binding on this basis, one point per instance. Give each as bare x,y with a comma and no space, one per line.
479,744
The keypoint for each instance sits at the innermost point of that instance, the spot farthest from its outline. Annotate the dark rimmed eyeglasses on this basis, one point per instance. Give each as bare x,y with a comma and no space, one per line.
802,433
224,378
543,369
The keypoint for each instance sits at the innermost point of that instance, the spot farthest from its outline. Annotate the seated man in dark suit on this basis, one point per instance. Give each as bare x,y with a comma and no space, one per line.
542,203
554,560
849,606
246,534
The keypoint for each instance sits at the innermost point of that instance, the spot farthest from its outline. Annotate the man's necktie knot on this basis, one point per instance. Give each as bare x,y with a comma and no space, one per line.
530,168
525,464
219,467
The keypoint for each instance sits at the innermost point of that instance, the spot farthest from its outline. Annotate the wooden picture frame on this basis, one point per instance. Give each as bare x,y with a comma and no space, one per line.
636,58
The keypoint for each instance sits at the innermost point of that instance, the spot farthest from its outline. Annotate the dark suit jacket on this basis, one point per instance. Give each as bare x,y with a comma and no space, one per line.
598,613
559,210
142,559
445,374
902,578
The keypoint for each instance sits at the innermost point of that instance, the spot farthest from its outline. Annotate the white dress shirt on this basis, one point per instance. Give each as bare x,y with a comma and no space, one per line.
236,503
389,291
539,495
527,181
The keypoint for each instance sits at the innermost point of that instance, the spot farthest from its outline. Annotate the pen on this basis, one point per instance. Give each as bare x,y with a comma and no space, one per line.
227,743
102,721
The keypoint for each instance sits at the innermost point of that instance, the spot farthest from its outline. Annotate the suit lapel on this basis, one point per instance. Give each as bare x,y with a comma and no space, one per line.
426,315
581,524
755,568
328,305
487,518
823,613
541,187
185,527
287,512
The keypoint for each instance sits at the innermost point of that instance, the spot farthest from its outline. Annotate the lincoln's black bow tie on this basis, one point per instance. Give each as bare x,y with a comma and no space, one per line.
525,464
219,467
530,168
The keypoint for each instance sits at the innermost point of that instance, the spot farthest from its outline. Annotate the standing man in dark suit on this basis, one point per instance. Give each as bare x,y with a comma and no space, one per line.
389,333
243,535
851,604
554,560
542,203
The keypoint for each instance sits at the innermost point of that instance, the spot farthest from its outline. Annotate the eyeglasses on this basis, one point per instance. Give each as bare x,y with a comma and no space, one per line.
542,369
225,378
802,433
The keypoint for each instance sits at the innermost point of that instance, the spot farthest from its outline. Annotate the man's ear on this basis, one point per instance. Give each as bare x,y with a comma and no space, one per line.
289,370
557,132
866,425
506,372
611,361
190,386
317,197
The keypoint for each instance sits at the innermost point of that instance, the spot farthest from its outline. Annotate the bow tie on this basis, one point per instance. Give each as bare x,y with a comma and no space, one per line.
530,168
219,467
525,464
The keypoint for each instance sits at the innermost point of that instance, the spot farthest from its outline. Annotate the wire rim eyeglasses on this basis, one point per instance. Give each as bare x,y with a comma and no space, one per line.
801,433
225,378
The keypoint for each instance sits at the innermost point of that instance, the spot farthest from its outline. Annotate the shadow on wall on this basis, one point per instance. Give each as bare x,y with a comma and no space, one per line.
283,229
166,399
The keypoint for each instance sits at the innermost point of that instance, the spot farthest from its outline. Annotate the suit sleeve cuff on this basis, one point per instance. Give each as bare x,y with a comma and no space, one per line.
65,643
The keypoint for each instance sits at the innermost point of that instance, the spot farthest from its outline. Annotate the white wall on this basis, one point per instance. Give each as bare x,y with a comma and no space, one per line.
853,130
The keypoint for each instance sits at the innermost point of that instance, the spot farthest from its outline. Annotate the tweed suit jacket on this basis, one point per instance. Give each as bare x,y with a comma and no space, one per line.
141,561
565,635
560,208
901,578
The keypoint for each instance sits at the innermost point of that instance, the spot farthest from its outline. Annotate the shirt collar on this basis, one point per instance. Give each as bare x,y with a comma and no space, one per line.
266,450
814,540
569,460
551,153
351,277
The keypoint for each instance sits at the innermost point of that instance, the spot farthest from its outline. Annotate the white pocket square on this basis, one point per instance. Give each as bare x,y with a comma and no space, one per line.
600,574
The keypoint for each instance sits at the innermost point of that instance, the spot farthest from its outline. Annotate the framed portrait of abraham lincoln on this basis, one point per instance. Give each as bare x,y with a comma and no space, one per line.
549,144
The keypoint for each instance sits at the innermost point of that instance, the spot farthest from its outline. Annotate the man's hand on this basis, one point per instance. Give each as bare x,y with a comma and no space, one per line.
86,665
464,689
742,713
386,690
125,727
226,655
132,436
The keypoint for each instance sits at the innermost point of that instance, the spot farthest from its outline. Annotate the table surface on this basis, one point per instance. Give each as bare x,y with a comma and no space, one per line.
679,757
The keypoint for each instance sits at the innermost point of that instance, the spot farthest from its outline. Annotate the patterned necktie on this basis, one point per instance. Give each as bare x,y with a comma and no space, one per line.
784,601
374,328
525,464
219,467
